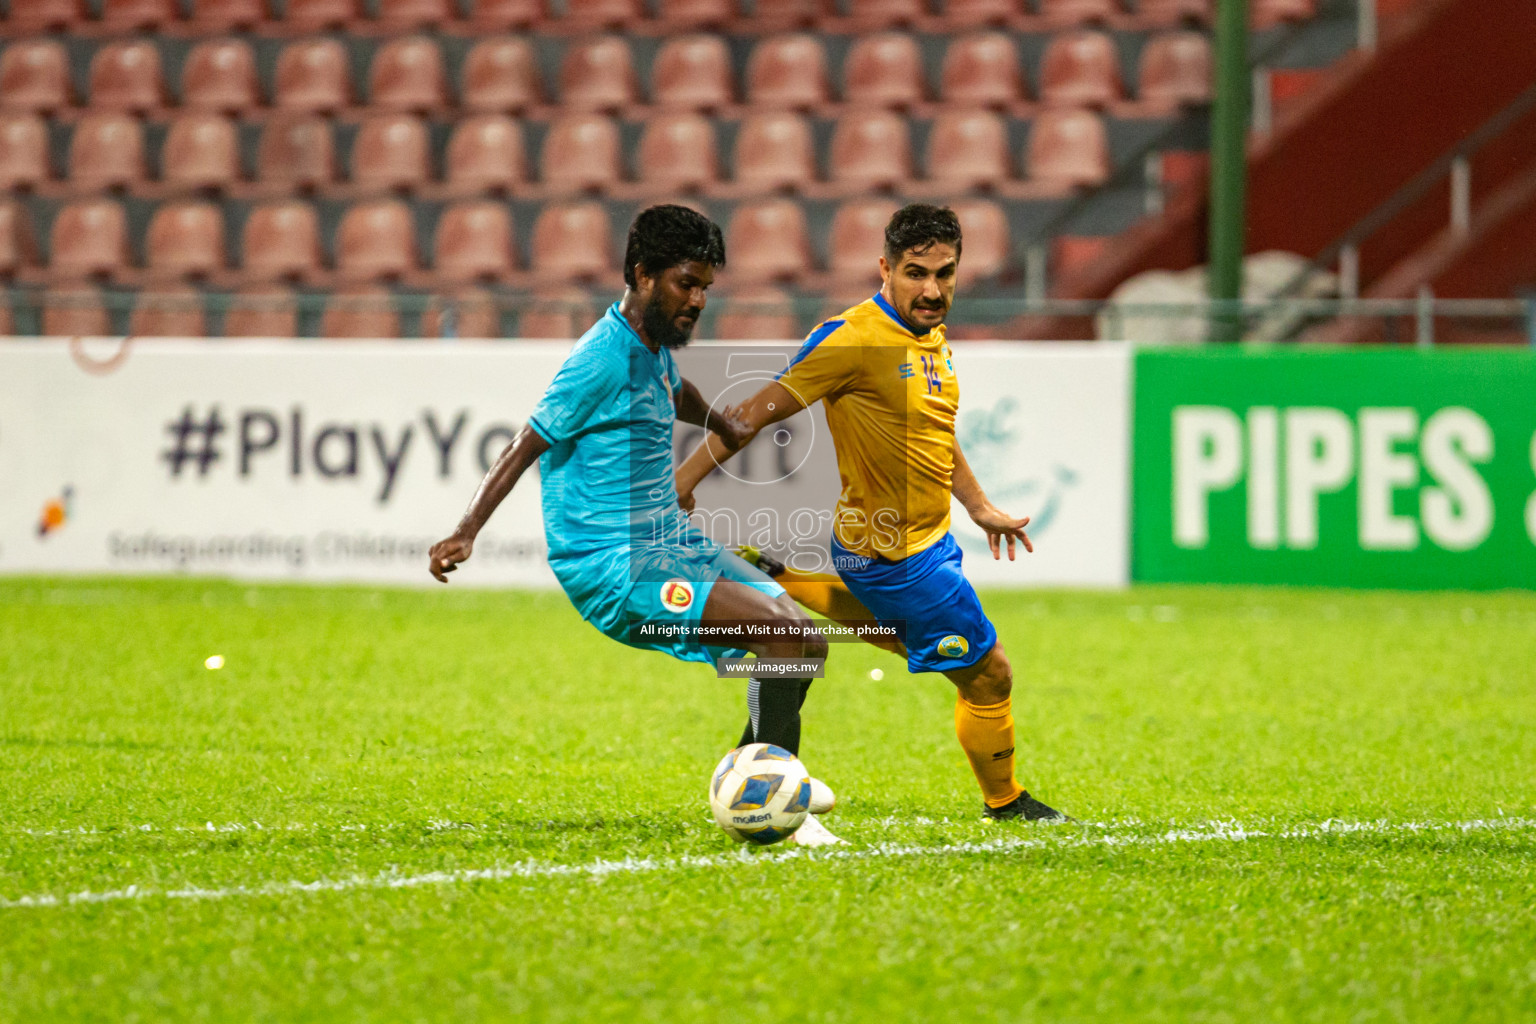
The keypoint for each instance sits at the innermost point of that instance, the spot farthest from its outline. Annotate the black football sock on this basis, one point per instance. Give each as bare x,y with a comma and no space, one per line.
775,708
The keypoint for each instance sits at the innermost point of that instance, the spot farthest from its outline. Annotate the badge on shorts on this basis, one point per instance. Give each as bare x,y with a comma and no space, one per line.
953,646
677,595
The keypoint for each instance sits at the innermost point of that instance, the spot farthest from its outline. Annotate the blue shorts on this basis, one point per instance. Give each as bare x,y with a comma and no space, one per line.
652,597
927,599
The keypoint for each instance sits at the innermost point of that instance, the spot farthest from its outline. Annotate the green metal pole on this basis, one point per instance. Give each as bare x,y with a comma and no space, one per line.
1229,136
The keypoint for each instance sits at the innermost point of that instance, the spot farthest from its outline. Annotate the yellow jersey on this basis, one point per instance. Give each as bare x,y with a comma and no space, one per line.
891,396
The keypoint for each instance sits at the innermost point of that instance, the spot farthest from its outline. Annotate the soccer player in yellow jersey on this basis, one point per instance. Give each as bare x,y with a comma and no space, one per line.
884,374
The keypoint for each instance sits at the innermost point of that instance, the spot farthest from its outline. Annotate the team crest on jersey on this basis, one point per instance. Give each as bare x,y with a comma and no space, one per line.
953,646
676,595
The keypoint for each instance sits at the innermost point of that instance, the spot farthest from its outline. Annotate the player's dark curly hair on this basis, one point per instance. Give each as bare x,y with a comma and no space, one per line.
920,226
664,236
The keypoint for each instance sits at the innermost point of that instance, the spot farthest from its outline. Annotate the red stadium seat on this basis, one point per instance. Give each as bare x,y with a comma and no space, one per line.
774,151
982,70
968,149
319,15
788,71
23,151
1176,70
870,150
129,15
501,75
986,251
34,75
581,154
1068,148
500,15
89,237
42,16
18,247
281,240
970,13
1164,13
475,314
296,151
1080,69
884,70
769,241
557,312
312,77
209,16
1066,13
1269,13
220,75
360,312
126,76
262,311
202,151
693,72
756,314
407,74
485,153
693,15
376,242
587,15
474,242
598,74
415,14
867,15
168,311
677,153
75,312
391,151
185,240
572,242
106,151
857,239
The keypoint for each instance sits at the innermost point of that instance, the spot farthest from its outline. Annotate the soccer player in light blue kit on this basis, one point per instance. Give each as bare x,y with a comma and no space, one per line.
623,551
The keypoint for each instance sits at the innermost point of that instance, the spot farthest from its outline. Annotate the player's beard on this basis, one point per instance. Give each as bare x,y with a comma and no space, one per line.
662,328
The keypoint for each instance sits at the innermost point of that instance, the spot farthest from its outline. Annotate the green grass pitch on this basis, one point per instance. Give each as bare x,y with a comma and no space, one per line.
469,806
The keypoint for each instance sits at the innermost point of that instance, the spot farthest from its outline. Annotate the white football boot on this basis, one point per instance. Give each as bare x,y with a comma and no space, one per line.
812,832
822,797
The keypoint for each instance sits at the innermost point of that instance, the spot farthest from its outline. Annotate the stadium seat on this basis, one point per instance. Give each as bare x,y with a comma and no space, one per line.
557,312
598,74
89,238
202,151
220,75
1270,13
590,15
18,247
693,72
168,311
677,153
1068,148
1080,69
391,151
407,74
125,76
968,149
774,152
986,249
572,242
210,16
485,154
42,16
782,16
1066,13
132,15
319,15
296,152
34,75
857,239
474,242
769,241
75,312
872,15
23,151
262,311
1071,253
1175,70
870,150
106,151
397,15
756,314
1166,13
884,70
185,240
501,76
982,70
975,13
788,71
312,77
360,311
694,15
376,241
475,314
500,15
581,154
281,241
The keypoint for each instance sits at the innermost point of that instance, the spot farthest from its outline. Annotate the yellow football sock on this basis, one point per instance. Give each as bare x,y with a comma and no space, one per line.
986,735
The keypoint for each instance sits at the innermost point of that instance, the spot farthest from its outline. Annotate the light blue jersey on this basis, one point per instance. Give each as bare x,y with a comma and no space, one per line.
611,519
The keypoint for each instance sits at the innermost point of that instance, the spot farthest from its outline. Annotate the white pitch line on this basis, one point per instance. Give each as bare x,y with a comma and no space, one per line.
1231,832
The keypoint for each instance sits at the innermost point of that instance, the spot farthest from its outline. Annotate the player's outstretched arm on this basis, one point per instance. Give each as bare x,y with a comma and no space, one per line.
514,459
726,422
997,523
773,403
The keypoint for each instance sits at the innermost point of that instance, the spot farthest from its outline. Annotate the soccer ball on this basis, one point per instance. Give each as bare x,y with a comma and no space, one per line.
760,794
